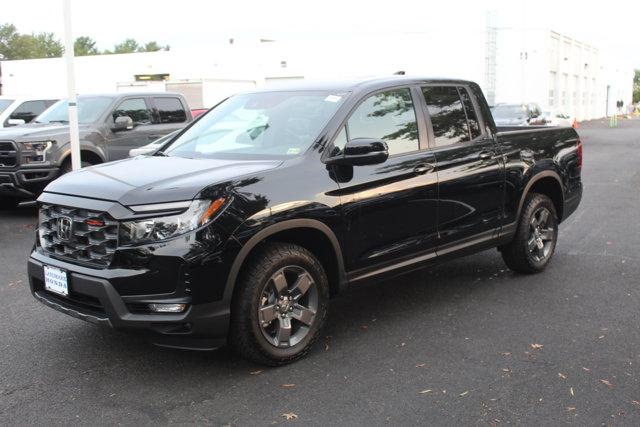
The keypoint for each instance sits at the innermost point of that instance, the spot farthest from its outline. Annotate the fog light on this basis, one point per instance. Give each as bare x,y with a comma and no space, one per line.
167,308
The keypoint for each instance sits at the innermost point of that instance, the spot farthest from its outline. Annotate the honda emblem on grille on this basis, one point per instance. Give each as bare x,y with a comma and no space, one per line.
65,228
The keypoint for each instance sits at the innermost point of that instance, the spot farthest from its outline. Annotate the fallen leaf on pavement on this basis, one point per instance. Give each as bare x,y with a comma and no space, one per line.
506,370
561,375
425,391
259,371
571,391
607,383
506,353
290,416
636,402
586,369
364,327
571,408
600,337
420,365
287,385
537,346
464,393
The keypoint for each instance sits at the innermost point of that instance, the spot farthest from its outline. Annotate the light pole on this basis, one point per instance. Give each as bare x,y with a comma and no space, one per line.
74,131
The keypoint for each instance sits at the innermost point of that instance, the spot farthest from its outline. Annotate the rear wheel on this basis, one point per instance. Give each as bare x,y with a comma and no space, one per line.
279,306
535,241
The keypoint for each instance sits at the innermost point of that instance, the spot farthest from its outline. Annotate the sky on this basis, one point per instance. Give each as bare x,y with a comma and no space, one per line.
613,27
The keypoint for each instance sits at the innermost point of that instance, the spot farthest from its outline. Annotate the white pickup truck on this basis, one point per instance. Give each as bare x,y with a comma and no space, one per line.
15,111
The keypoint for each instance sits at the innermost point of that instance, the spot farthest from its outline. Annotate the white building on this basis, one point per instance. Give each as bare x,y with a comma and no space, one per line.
542,66
559,73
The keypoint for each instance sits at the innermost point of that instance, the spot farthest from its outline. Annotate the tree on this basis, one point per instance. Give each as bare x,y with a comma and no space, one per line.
8,33
151,46
636,86
14,45
84,46
46,46
127,46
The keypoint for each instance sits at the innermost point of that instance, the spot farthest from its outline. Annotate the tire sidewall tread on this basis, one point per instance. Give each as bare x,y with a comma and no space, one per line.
245,335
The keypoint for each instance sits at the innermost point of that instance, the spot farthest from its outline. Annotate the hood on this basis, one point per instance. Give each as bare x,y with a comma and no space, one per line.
146,180
37,132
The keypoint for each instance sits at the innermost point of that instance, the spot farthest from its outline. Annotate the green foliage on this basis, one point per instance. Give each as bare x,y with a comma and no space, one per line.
127,46
84,46
636,86
131,45
14,45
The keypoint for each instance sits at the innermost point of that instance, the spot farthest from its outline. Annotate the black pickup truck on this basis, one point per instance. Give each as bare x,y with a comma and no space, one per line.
111,125
244,224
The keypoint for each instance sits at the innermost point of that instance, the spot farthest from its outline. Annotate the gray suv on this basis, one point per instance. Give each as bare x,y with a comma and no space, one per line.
33,155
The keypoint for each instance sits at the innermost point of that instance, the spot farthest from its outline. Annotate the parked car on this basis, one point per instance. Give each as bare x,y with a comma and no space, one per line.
198,112
516,114
154,146
16,111
243,227
111,125
550,118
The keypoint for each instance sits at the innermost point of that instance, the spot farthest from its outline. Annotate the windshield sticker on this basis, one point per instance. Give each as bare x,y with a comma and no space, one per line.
333,98
293,150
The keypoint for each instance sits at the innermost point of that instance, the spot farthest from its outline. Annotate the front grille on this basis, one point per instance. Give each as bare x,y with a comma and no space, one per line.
82,243
8,154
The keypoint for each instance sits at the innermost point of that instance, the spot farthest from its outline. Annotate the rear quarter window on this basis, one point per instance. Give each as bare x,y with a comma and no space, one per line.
170,110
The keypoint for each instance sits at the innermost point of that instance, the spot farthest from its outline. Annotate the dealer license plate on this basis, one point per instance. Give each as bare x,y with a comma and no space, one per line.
55,280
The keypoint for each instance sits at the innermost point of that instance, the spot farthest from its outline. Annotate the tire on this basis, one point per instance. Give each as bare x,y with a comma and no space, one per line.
536,236
66,166
9,203
259,312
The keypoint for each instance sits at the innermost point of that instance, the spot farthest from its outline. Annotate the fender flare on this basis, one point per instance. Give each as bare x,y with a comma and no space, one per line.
276,228
83,147
535,178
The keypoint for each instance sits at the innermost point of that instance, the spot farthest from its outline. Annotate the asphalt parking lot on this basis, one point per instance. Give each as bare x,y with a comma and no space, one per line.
467,342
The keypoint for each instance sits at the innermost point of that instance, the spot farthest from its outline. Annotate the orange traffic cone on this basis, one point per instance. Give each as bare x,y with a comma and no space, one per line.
575,124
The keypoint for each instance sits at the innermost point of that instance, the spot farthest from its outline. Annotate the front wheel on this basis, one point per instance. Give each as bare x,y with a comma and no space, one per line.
66,166
279,306
535,240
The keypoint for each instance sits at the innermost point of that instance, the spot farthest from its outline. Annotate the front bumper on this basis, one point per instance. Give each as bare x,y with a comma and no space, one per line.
26,183
94,298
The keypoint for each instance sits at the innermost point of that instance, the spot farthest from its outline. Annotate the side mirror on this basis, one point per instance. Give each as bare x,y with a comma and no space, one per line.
15,122
360,152
122,123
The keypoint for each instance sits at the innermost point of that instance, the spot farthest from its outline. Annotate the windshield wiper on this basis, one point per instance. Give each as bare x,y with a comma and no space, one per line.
161,154
58,121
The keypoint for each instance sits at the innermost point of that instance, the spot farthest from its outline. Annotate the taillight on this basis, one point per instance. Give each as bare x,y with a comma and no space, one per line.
579,153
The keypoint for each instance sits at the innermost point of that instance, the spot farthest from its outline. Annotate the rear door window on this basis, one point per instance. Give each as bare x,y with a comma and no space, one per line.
170,110
447,113
28,110
136,108
389,116
472,116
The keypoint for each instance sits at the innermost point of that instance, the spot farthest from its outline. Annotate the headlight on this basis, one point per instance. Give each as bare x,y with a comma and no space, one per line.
199,213
35,152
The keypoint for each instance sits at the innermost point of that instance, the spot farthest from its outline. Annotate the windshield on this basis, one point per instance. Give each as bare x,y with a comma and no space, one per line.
509,112
89,110
259,125
4,103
